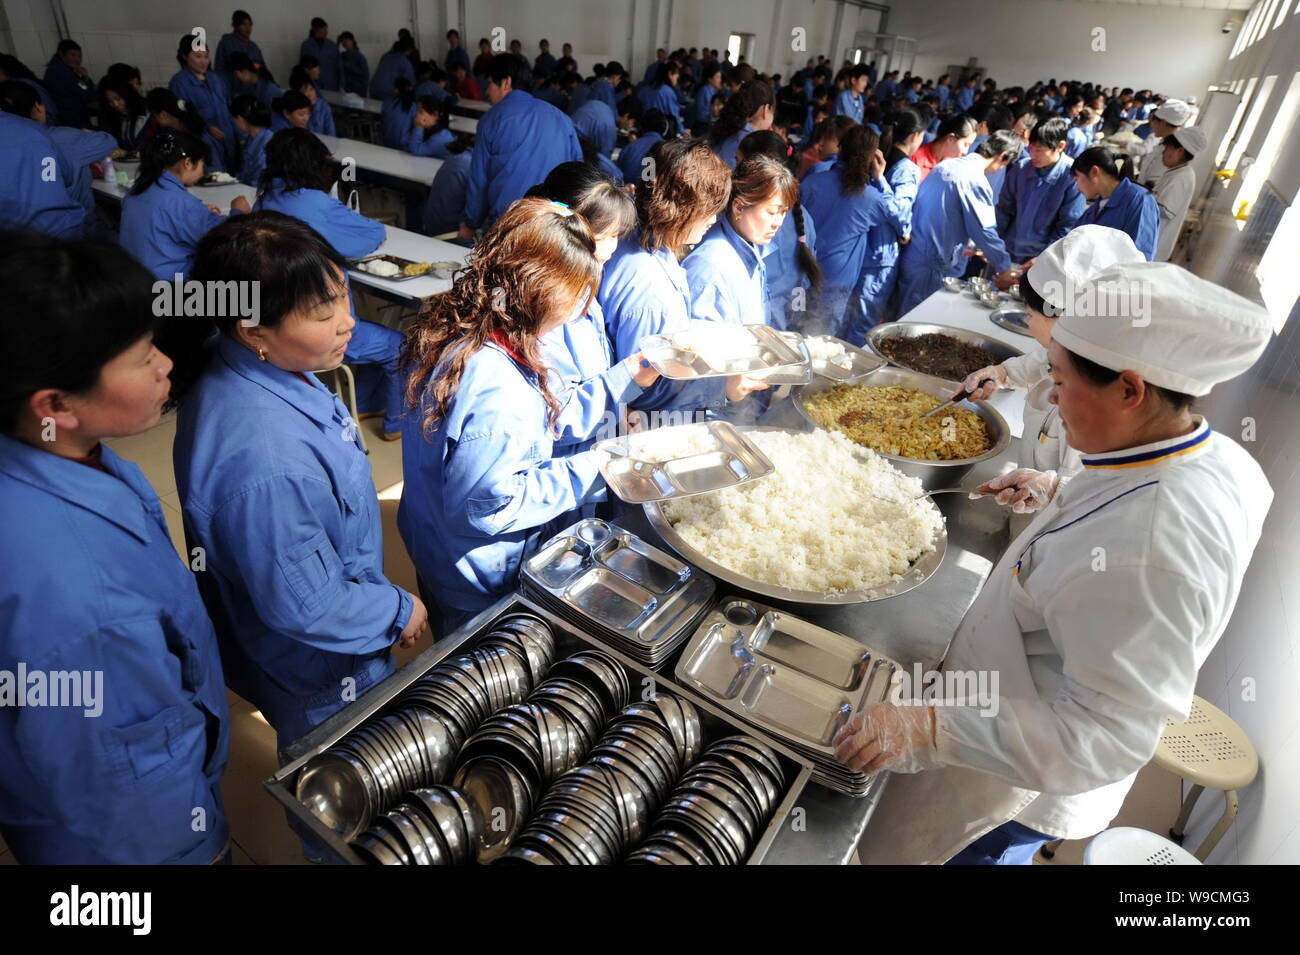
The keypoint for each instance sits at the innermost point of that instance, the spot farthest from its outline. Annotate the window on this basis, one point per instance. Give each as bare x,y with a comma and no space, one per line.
1252,120
1281,127
1279,281
1236,120
1281,13
741,47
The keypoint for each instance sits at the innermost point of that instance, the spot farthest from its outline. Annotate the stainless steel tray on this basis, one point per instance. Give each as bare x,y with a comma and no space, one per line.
636,596
637,470
1000,352
787,677
715,722
858,363
1013,316
716,350
396,260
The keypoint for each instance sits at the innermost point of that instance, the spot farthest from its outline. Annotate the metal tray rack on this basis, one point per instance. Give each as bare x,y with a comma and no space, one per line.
790,679
611,583
715,723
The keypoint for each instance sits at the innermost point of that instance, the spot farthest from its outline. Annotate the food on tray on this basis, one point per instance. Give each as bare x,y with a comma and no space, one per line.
832,517
937,354
416,268
887,419
654,447
219,178
828,350
381,267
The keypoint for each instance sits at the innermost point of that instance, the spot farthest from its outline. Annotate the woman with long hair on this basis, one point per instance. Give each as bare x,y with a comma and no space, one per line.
123,112
749,109
951,141
430,134
482,487
253,123
322,119
208,93
1115,200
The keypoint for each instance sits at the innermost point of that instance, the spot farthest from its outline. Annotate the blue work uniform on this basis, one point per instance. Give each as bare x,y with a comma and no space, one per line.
727,277
326,52
704,104
264,91
943,91
849,104
355,72
447,196
596,122
93,585
233,43
820,166
395,121
457,56
1129,209
662,98
353,236
322,118
38,180
545,63
587,382
953,206
965,100
162,227
276,489
254,162
483,491
434,145
391,66
518,142
727,148
871,303
784,274
1076,141
436,90
648,293
73,94
80,148
844,227
579,96
604,91
632,157
210,97
885,89
1037,207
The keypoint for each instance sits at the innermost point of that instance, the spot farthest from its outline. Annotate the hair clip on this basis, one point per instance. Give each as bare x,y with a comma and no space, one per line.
562,208
180,103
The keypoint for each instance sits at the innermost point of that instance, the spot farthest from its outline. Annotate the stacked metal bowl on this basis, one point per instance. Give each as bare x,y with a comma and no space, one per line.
719,808
435,825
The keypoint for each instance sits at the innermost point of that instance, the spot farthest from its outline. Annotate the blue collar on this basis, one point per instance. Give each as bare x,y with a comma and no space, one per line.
750,254
1174,449
310,397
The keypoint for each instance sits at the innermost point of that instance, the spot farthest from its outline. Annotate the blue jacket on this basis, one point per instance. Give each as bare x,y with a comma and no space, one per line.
965,99
231,43
395,121
459,55
943,91
484,491
782,264
589,384
73,94
355,72
327,52
162,227
849,104
844,223
81,148
38,180
579,96
885,89
447,196
322,118
518,142
662,98
604,91
648,293
435,146
1130,209
904,179
595,121
391,66
1036,208
631,157
92,583
1076,141
727,277
704,104
211,98
727,148
250,170
545,62
287,515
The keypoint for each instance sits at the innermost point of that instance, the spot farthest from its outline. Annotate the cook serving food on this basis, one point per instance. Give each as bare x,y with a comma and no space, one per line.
1100,614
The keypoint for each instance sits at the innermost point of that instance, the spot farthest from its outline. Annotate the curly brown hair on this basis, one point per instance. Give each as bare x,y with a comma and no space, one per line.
535,264
690,183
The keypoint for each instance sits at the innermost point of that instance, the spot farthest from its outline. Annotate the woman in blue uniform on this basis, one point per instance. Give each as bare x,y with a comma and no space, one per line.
645,291
1039,202
593,387
32,198
291,111
849,201
299,175
662,93
446,201
352,65
750,109
429,134
276,488
397,113
208,93
322,118
791,261
482,489
654,127
252,122
130,772
161,222
248,78
1116,200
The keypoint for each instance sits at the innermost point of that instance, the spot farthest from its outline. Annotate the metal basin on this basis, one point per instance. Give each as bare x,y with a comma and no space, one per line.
997,349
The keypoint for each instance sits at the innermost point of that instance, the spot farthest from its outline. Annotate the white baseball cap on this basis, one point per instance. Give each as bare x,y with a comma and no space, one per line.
1173,111
1075,258
1193,139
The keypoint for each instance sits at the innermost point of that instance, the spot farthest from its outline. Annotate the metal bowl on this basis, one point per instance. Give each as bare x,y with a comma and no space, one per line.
921,571
953,283
877,335
933,474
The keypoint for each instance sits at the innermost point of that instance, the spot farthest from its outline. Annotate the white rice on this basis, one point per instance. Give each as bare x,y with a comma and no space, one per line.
825,349
833,517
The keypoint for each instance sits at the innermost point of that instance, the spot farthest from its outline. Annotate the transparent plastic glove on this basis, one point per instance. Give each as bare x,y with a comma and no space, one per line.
740,387
886,736
980,392
1024,489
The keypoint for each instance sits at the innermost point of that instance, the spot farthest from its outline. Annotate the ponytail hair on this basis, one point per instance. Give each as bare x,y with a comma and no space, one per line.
808,263
899,126
856,151
162,100
773,147
744,103
405,92
432,106
1112,164
165,150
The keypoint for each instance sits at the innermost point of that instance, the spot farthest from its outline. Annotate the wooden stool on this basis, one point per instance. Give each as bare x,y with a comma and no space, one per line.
1210,751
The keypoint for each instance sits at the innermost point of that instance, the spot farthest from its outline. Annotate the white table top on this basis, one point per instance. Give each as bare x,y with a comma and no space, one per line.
419,248
477,105
959,310
219,196
459,124
396,163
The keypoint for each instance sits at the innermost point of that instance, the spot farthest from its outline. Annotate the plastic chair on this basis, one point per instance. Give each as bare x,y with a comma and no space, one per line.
1125,845
1210,751
346,372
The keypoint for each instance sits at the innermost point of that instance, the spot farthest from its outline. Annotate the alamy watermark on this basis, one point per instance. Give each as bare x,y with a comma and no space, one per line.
193,299
922,687
79,689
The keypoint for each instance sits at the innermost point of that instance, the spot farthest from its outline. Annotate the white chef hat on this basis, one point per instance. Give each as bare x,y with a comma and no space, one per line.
1173,328
1193,139
1069,261
1173,111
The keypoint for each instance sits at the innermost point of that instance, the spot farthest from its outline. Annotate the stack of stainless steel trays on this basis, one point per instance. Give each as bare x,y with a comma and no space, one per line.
719,349
680,460
795,681
610,582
